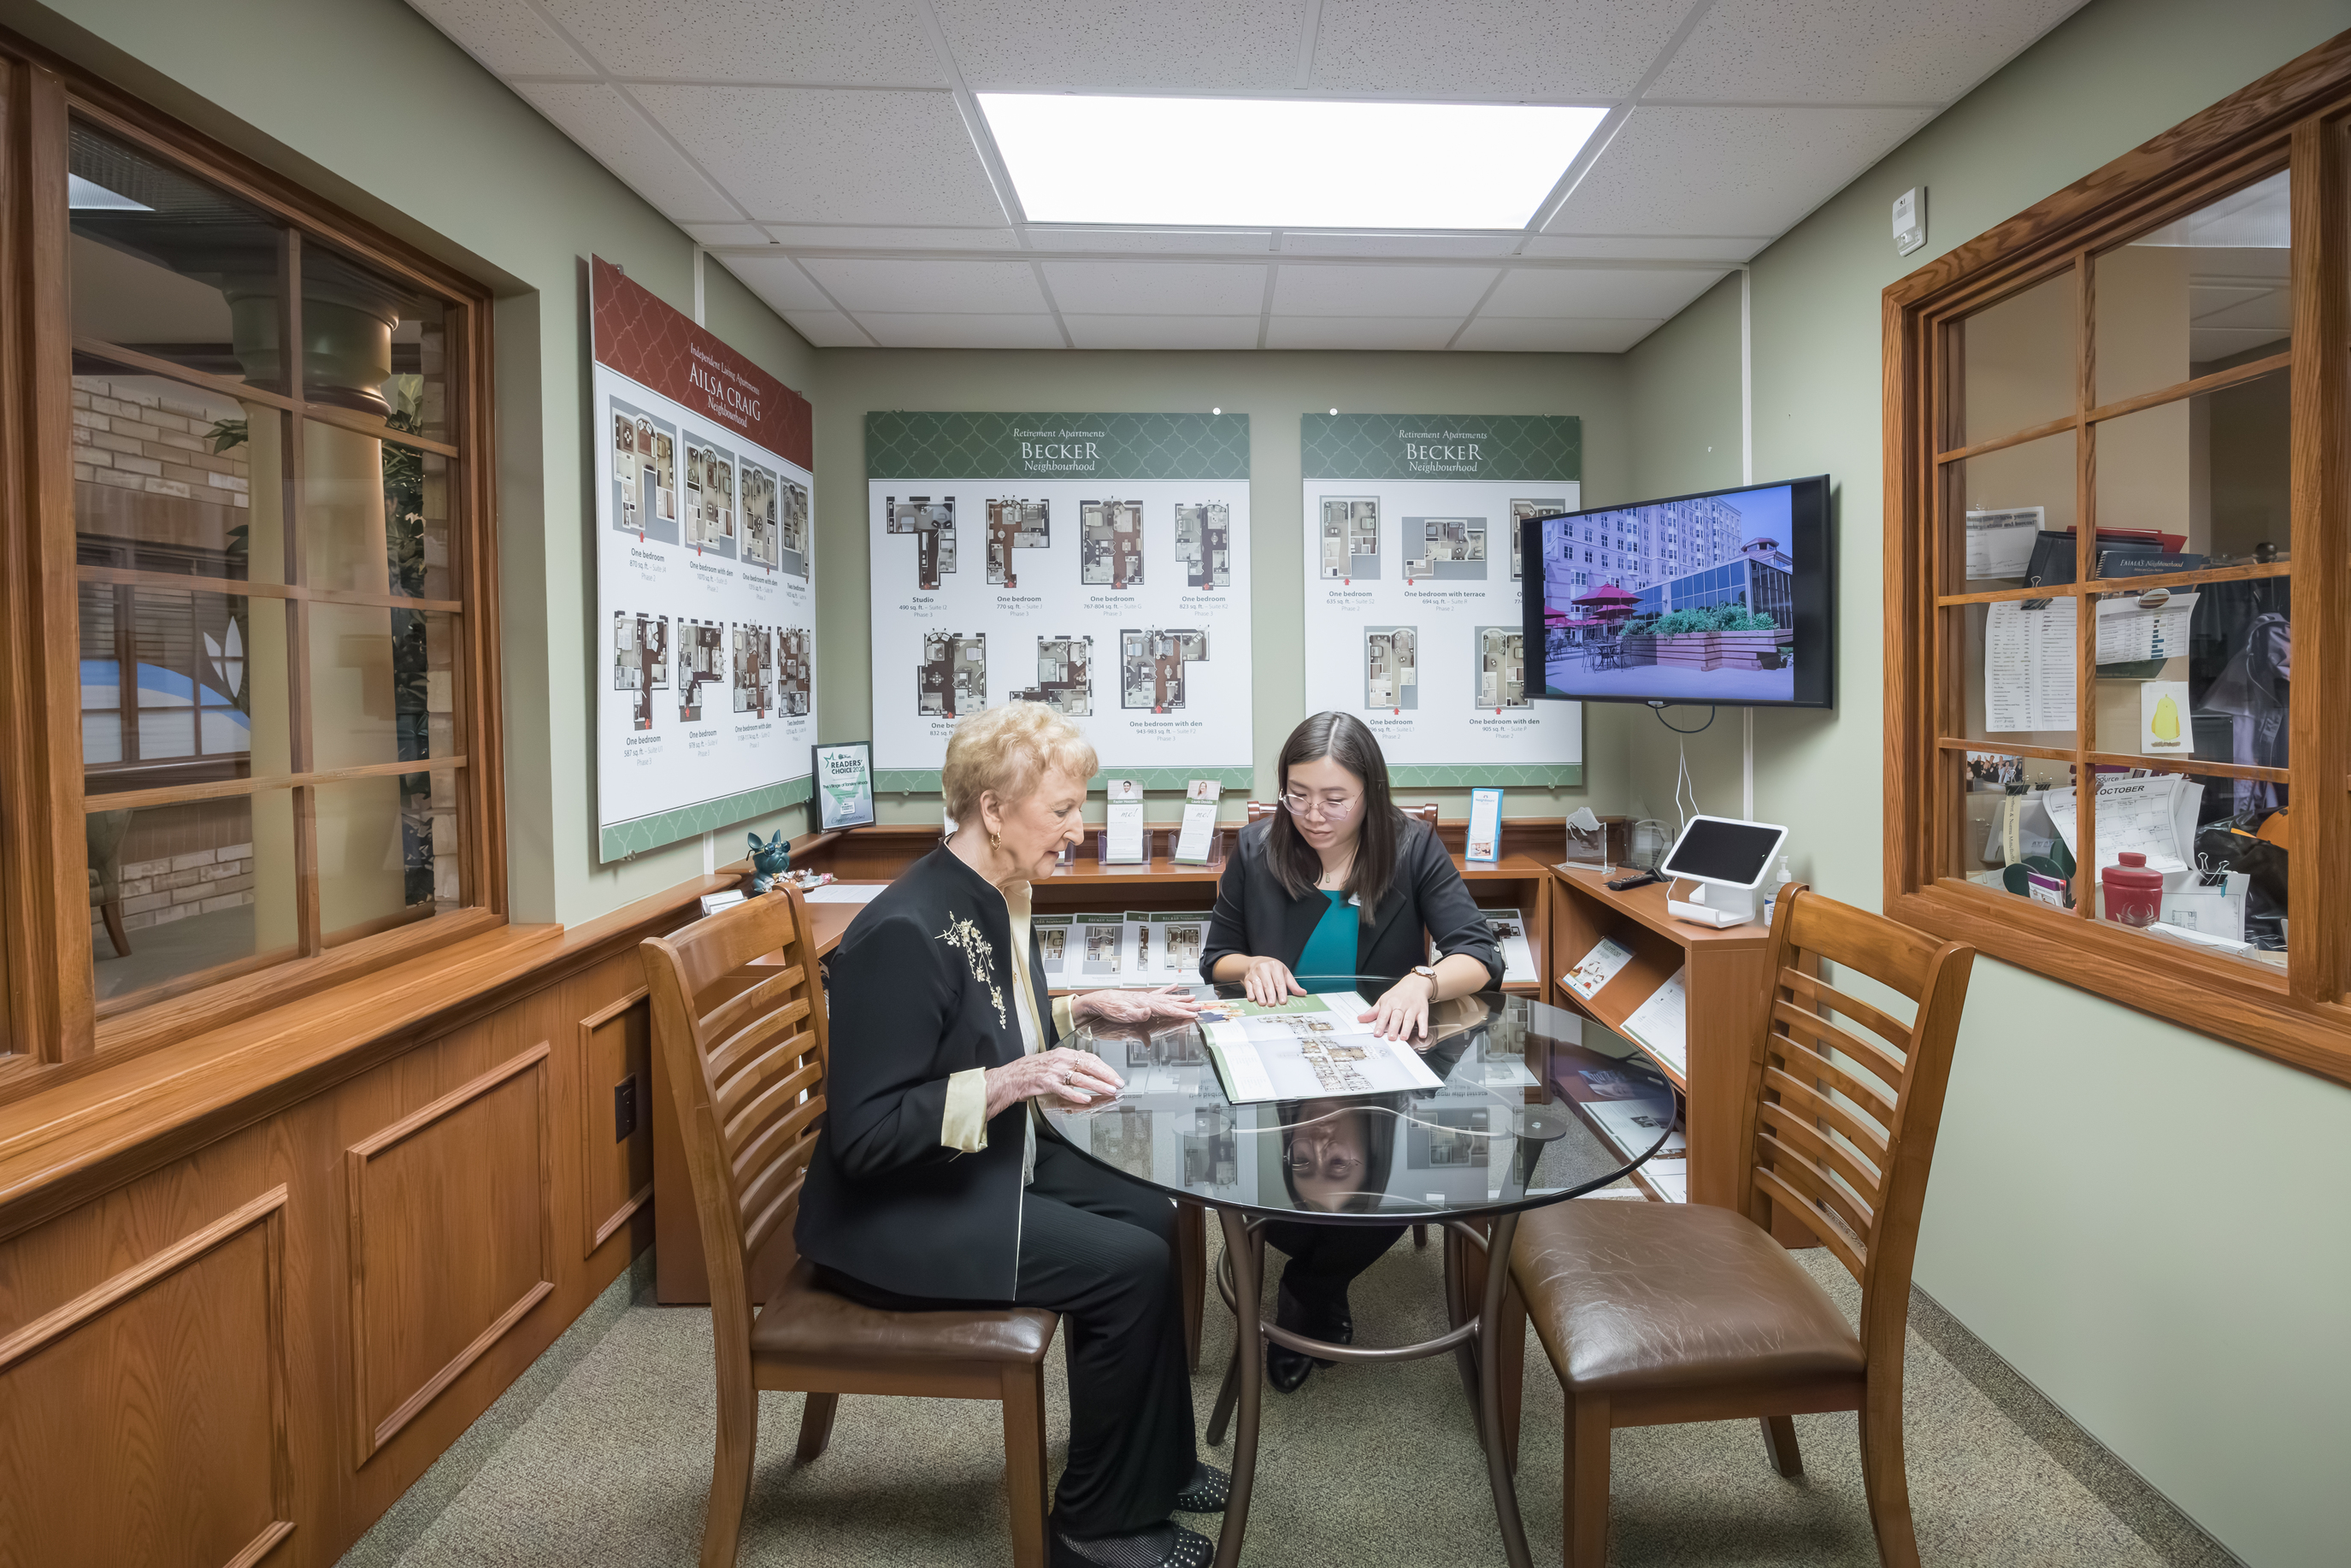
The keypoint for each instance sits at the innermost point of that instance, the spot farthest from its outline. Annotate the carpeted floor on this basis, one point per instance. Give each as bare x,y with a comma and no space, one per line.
601,1455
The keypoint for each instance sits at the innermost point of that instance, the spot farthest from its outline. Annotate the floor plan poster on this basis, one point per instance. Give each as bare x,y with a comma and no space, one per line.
705,582
1412,580
1097,562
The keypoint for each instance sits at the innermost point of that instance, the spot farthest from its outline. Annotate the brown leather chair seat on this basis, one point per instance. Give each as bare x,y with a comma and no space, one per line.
805,1322
1640,1297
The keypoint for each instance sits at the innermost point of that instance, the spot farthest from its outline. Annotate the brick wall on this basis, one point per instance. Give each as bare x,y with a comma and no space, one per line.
129,436
157,892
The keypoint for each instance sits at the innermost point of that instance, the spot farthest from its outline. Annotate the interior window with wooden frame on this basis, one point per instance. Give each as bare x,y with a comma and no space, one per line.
2116,518
250,706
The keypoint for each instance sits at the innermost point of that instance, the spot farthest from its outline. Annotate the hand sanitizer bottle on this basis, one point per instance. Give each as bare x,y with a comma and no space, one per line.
1771,901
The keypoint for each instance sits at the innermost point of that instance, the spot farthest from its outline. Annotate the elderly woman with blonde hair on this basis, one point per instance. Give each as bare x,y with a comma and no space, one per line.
935,1185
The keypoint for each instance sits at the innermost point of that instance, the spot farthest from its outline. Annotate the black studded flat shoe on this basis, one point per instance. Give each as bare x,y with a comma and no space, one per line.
1164,1545
1208,1491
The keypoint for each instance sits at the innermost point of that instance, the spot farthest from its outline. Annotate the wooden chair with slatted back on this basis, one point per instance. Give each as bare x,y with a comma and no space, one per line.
1659,1313
748,1072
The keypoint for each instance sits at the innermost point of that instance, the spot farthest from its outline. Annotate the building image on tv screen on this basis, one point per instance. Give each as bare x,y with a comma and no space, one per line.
1687,600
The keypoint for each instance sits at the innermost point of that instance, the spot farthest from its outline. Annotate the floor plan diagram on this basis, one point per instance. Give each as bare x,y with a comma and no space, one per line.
1519,512
1446,549
1110,543
1011,525
701,661
1203,543
953,679
1065,680
760,529
792,542
639,662
1151,666
709,498
1392,667
753,687
793,683
644,476
1502,668
1351,537
932,525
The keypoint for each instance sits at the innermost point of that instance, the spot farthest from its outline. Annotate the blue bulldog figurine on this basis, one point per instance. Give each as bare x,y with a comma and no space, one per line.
769,861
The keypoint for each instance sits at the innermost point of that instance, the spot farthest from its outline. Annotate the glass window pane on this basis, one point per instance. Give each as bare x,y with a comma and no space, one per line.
178,890
2009,504
2207,475
163,477
2016,672
2221,877
2008,840
180,687
387,852
167,264
375,344
2198,295
2016,364
375,514
382,687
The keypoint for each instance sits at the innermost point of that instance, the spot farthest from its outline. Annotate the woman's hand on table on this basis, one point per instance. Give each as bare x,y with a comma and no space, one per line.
1402,1011
1269,983
1064,1076
1136,1006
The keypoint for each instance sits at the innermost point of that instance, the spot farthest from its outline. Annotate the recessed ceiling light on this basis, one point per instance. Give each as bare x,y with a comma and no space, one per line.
1291,163
1216,411
1334,410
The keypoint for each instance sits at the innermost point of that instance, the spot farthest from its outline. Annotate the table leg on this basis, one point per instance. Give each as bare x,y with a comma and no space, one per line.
1240,1251
1491,1318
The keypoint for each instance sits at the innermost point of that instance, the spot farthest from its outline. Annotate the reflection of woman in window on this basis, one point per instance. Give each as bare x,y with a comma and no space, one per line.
2252,693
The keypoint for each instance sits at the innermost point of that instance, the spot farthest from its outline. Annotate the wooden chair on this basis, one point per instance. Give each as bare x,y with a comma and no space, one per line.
747,1069
1658,1313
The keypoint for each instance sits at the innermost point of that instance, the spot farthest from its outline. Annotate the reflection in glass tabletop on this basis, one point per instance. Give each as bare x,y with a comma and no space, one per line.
1535,1105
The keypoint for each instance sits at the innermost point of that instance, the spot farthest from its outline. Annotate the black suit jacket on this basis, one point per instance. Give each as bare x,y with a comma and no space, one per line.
921,987
1256,915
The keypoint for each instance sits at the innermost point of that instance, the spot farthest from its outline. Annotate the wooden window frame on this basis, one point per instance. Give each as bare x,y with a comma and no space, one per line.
54,1027
2297,117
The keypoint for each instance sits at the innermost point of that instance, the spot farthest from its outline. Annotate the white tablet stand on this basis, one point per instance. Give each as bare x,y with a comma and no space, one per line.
1729,858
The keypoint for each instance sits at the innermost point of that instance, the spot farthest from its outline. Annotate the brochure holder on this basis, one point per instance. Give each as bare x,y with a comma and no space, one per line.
1216,850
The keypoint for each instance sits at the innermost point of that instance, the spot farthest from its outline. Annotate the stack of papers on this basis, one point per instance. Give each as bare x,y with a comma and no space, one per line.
1596,968
2155,816
1308,1047
1509,929
1660,1024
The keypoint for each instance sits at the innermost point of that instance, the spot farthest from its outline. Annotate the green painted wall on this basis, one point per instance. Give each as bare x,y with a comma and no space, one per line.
1274,390
2147,1223
366,103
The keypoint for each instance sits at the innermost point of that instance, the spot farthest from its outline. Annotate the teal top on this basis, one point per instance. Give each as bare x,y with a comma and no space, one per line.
1327,961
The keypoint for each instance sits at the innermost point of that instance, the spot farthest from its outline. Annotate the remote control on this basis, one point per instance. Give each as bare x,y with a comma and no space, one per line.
1625,882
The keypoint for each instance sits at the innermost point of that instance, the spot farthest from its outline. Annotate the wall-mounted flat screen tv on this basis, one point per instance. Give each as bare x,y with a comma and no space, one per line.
1722,597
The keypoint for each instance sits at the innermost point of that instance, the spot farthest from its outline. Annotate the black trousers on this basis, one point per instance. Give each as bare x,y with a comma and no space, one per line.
1100,1250
1324,1261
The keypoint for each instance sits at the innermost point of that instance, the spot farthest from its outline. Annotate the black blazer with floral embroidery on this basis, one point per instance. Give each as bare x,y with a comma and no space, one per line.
921,987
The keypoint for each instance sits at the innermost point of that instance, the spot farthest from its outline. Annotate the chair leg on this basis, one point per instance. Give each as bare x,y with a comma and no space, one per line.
1226,1396
1583,1505
1024,1462
730,1470
1420,1238
1510,1362
111,913
1192,1266
1780,1445
816,1425
1882,1473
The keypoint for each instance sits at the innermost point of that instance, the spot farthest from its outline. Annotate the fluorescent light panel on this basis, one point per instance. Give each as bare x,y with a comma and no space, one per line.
1284,163
89,195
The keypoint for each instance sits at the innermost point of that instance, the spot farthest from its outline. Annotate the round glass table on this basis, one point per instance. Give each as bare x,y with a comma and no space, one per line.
1521,1104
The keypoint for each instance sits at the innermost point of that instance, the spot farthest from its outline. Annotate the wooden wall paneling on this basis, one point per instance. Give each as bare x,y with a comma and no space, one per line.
451,1240
146,1420
616,1175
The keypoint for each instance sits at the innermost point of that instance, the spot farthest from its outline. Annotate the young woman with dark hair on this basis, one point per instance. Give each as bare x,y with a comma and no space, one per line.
1340,891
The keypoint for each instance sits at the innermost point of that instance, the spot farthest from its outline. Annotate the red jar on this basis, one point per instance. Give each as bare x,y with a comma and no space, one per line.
2133,892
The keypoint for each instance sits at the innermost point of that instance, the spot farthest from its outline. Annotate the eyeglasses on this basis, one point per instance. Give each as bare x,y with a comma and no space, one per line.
1333,808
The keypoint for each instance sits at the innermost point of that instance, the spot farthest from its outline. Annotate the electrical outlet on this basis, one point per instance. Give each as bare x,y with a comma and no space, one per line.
624,1108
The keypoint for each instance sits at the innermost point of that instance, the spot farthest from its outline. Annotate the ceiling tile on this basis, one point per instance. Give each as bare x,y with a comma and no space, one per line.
1162,331
1648,247
778,281
917,331
1398,245
1654,294
874,42
1369,290
725,234
1829,51
1545,50
800,155
605,123
827,329
1361,331
1156,288
928,286
814,237
1554,335
1729,171
1081,237
1124,46
507,35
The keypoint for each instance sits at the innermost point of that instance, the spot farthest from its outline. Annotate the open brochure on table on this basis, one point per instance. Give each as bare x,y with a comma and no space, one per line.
1307,1047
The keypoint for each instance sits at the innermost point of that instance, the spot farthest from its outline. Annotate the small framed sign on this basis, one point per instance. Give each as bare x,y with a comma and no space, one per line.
844,785
1484,843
